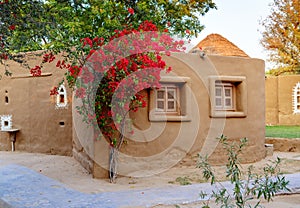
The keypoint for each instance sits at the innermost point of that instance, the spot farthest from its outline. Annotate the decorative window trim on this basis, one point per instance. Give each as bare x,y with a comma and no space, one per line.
61,97
6,122
239,96
296,98
182,111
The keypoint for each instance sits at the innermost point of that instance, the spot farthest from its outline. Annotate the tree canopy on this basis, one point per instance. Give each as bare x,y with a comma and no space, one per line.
29,25
281,36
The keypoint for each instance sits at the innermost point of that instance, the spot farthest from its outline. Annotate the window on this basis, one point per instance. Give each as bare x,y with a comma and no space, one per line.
172,101
224,96
296,98
167,99
228,95
61,97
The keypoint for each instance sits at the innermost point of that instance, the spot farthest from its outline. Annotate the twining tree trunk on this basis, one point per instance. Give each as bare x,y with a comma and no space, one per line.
114,153
113,157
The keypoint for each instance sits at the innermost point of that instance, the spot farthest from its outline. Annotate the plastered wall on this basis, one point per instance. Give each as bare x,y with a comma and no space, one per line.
43,128
158,143
279,100
155,145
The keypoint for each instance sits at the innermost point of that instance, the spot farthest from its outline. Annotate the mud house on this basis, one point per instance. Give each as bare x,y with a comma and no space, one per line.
213,91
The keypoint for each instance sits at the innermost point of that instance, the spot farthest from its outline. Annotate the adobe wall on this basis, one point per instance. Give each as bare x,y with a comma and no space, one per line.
279,100
43,128
253,125
157,146
271,101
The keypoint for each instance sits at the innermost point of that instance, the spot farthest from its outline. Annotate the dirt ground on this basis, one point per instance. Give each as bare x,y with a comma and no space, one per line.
68,171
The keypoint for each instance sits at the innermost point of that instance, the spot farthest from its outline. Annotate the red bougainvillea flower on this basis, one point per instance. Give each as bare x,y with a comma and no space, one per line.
12,27
87,76
147,26
62,64
169,69
74,71
87,41
131,11
80,93
3,56
98,41
48,57
36,71
188,31
90,53
53,91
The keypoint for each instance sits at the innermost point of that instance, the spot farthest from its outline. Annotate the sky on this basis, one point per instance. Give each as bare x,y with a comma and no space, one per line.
238,21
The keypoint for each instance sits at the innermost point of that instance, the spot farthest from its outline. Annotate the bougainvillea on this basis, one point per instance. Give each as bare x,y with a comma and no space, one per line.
130,62
110,81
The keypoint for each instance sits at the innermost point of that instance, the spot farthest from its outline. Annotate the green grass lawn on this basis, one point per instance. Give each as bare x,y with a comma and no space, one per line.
283,131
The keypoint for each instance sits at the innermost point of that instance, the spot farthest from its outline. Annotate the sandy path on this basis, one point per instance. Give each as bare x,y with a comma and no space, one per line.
68,171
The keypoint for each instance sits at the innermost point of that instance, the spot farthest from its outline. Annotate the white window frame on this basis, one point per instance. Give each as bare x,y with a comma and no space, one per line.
61,92
182,106
223,86
238,98
296,99
165,89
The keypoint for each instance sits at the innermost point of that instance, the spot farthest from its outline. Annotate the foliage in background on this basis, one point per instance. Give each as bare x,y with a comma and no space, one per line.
30,25
281,36
283,131
247,188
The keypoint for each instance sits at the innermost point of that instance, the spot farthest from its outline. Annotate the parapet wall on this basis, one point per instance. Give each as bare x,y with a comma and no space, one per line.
281,100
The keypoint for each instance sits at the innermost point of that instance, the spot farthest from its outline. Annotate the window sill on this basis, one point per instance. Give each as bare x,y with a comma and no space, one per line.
228,114
163,117
18,76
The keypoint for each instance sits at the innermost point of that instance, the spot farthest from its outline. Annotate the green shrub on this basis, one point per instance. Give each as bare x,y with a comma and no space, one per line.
246,187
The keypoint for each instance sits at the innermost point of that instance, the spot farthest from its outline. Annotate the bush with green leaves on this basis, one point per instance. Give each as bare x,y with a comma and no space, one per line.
247,188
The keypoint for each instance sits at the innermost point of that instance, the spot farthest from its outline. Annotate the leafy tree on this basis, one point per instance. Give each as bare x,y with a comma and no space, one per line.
30,25
281,36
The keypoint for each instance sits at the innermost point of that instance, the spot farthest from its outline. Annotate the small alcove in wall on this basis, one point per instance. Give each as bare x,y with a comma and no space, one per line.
6,99
62,124
61,97
6,122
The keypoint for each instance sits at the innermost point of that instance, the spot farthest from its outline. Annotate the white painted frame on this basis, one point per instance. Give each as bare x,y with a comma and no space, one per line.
6,122
296,98
62,92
